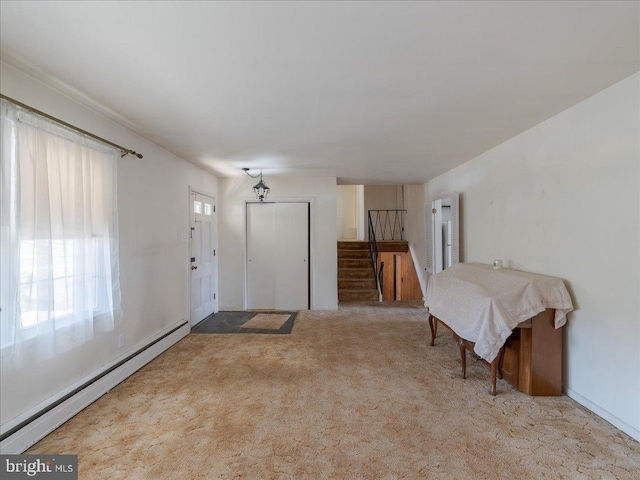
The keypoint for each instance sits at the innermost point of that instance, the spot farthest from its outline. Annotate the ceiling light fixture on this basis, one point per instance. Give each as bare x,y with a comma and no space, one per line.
260,189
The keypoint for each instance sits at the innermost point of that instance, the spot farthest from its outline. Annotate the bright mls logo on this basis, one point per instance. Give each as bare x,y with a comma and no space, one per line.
51,467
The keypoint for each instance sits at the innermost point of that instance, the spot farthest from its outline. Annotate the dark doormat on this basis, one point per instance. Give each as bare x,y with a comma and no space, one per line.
233,322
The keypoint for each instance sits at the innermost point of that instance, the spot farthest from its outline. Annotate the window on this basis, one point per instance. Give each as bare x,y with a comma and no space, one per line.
59,258
63,282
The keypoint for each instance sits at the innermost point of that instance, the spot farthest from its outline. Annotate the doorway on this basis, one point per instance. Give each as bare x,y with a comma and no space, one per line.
278,256
203,257
442,222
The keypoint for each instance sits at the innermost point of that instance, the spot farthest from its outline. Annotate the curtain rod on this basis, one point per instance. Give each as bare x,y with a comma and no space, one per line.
124,151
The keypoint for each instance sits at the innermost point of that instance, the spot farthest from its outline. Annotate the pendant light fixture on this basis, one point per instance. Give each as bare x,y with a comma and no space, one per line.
260,189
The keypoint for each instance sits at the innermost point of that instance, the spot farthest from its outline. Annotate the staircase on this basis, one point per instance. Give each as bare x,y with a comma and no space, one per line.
356,281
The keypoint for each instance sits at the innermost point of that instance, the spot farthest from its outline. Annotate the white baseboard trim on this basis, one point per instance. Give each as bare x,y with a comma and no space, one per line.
313,307
612,419
48,422
324,307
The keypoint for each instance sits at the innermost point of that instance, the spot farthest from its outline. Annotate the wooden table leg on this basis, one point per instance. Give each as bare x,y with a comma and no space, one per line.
494,368
463,355
433,325
494,371
465,345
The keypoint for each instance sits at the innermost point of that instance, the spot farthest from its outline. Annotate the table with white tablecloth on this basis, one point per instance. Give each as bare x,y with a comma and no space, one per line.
483,306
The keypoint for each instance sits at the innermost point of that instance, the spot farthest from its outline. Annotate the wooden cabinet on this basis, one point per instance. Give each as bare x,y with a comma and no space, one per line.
532,359
400,280
480,302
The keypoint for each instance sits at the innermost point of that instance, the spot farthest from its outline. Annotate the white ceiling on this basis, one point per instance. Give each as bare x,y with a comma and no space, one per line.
369,92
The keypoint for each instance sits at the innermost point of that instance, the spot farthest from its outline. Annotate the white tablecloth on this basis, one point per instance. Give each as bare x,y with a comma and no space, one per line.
484,305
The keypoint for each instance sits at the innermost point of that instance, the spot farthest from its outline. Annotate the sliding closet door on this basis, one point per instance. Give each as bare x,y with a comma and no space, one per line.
292,256
261,262
278,256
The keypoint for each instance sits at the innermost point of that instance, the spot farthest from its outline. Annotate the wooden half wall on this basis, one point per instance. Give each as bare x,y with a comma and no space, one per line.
400,280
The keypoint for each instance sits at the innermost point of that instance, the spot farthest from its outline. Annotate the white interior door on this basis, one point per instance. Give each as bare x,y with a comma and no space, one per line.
292,256
277,256
202,257
437,235
443,250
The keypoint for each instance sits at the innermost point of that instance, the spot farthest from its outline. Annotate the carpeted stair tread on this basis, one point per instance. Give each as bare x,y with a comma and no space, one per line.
356,281
353,245
356,284
355,273
351,295
354,254
354,263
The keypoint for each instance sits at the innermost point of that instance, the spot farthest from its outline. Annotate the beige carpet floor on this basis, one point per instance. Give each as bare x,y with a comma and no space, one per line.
356,393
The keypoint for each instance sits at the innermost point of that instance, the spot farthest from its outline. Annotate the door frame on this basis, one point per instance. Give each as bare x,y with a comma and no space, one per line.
245,270
200,191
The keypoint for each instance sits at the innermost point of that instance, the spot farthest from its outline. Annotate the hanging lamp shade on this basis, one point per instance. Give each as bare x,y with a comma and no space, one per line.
261,190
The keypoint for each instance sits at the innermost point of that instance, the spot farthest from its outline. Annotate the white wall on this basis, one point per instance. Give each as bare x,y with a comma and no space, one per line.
415,228
562,199
153,216
347,221
324,269
360,213
381,197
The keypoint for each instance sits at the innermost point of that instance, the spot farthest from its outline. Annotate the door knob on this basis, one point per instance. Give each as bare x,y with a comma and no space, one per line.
194,267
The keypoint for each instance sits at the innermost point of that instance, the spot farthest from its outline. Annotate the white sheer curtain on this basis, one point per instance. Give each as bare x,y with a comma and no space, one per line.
59,278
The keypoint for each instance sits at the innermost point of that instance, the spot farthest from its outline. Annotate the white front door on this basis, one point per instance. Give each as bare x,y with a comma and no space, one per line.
202,257
278,256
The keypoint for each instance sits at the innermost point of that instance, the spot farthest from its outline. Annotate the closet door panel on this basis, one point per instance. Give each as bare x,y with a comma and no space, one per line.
261,261
292,256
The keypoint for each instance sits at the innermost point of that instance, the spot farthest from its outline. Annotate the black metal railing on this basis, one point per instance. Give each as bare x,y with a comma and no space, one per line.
387,224
373,251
